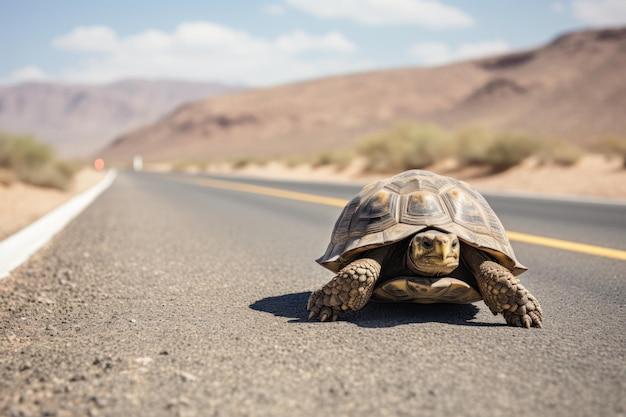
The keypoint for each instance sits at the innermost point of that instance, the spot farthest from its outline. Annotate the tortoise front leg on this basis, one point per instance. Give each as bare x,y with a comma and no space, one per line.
350,289
502,291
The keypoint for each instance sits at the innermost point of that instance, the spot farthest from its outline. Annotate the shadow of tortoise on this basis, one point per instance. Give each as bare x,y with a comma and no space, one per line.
375,315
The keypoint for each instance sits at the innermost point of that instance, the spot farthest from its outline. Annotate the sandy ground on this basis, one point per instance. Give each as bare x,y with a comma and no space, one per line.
22,204
594,176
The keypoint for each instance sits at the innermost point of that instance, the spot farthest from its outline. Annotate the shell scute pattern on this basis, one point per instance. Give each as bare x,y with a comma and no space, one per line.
375,214
464,210
390,210
423,208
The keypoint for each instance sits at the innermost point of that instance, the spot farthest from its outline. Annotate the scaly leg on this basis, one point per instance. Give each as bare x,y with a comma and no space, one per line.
350,289
502,291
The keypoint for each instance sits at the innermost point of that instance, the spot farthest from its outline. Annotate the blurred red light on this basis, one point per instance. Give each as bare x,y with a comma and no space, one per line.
98,164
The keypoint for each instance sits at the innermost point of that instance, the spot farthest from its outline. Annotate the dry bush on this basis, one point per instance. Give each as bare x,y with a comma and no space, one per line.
614,146
510,149
559,152
292,161
49,175
7,177
472,145
340,159
405,146
34,162
242,162
182,165
497,150
203,165
191,164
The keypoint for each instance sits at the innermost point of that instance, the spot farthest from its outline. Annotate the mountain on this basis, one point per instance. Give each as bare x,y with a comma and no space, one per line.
80,119
573,88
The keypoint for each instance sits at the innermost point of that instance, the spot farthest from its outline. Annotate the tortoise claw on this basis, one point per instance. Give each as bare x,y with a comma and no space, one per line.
324,315
329,314
528,312
318,309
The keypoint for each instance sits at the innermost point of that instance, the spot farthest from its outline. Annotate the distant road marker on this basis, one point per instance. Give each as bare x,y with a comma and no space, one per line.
339,202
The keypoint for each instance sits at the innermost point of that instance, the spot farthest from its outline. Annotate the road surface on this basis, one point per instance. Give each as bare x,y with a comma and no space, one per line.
168,297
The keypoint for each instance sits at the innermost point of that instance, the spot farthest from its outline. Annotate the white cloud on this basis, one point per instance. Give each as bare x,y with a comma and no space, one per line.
274,9
300,41
600,12
437,53
425,13
481,49
430,53
88,39
207,51
28,73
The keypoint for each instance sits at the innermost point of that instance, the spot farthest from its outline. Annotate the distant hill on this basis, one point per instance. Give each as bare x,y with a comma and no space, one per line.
80,119
574,88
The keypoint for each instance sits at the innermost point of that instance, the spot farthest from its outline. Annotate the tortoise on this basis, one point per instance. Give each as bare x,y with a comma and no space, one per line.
424,238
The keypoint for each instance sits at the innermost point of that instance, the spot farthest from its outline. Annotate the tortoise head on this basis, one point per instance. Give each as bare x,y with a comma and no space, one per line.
433,253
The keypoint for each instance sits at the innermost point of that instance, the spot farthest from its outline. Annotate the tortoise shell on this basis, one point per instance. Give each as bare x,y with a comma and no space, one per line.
392,209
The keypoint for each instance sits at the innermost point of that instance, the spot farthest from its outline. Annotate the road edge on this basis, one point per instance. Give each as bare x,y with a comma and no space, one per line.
18,248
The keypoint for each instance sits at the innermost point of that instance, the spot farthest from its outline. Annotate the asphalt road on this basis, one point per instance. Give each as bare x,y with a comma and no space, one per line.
168,298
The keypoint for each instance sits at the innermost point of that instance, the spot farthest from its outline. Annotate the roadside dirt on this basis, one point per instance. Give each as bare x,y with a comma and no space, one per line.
594,176
22,204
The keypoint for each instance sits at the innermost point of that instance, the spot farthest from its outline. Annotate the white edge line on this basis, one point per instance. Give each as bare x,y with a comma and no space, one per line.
17,248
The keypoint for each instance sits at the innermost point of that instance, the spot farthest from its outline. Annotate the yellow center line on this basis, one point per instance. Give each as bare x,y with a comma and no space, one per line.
273,192
567,245
339,202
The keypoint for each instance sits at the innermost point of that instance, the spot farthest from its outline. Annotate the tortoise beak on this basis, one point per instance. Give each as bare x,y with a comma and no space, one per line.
445,249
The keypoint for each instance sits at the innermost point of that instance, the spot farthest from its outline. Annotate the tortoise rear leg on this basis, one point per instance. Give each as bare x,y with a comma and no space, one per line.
350,289
502,291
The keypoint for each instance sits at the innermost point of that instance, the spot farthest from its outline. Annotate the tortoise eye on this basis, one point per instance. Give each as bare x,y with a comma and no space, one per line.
427,243
455,243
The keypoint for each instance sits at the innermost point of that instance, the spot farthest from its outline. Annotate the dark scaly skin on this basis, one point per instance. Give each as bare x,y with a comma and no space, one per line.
502,291
350,289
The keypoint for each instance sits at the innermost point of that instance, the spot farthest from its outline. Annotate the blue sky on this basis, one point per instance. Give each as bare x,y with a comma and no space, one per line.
271,42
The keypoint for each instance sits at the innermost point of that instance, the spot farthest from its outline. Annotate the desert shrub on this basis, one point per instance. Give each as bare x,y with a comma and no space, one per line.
242,162
509,149
188,164
181,165
338,158
34,162
560,153
405,146
614,146
472,145
202,165
23,152
497,150
292,160
52,175
7,177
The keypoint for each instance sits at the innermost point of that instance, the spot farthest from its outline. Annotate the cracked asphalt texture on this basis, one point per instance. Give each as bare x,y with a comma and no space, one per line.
171,299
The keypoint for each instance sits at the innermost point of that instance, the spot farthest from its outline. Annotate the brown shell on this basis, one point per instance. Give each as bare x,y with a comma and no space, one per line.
387,211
